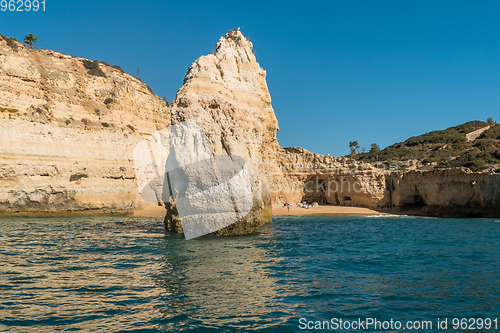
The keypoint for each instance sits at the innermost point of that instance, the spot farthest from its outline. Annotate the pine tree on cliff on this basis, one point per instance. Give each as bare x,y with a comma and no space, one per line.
354,146
29,40
375,148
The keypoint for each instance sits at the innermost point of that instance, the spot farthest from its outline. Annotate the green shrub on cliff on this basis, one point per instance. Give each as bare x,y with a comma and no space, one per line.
491,133
29,40
374,148
445,148
449,135
10,42
90,64
118,68
93,68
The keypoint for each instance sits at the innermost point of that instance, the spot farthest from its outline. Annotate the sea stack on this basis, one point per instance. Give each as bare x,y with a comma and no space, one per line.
227,93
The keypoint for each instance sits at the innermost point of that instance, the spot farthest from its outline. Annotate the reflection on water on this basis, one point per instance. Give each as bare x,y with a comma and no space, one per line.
221,281
115,274
81,273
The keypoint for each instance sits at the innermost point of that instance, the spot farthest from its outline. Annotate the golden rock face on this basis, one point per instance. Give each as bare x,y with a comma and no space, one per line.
68,128
67,136
228,93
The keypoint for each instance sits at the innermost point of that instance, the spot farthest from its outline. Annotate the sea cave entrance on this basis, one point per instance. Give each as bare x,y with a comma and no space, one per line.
414,202
315,190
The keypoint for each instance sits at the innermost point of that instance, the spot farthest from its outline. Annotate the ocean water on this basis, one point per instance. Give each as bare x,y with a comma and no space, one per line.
121,274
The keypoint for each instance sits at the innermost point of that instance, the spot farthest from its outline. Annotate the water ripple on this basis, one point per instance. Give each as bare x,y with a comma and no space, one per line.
123,274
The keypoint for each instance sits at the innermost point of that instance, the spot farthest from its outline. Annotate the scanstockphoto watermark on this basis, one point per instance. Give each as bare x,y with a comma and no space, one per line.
336,168
316,184
389,325
362,324
331,178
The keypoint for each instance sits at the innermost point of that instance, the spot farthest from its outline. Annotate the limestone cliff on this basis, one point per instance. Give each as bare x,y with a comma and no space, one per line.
448,192
67,133
68,128
300,175
227,92
454,192
70,125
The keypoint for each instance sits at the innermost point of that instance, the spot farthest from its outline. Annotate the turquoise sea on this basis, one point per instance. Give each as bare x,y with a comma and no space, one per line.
121,274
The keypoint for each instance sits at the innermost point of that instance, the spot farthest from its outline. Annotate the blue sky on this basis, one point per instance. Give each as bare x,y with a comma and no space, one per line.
338,71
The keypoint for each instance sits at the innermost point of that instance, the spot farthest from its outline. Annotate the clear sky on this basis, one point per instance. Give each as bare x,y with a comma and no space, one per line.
337,71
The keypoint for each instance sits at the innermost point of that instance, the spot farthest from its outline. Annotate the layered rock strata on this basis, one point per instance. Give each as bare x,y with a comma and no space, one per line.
68,128
227,93
304,176
447,193
67,133
300,175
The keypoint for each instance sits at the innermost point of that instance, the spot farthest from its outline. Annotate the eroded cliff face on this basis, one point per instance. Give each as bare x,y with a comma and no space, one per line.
447,193
68,128
304,176
300,175
66,137
227,92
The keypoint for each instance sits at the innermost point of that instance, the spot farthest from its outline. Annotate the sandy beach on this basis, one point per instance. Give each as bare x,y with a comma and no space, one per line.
151,211
325,210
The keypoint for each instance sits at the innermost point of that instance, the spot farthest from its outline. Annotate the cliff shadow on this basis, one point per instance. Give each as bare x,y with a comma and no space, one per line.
315,190
413,205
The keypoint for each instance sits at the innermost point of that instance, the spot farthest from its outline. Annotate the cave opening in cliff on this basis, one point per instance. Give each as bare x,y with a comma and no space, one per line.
315,190
416,201
474,215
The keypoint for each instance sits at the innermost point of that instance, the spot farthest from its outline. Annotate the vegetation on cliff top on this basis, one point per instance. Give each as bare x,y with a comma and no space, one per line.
93,68
29,40
444,149
10,42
